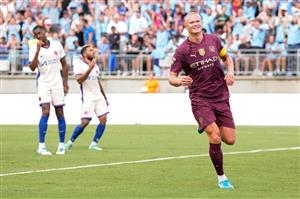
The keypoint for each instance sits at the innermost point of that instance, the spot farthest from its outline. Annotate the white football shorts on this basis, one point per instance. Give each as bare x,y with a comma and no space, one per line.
88,107
56,96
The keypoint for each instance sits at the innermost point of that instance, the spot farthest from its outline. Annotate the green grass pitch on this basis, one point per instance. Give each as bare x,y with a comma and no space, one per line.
273,174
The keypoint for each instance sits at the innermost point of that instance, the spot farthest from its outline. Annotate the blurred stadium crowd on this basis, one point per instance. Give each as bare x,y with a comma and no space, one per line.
137,36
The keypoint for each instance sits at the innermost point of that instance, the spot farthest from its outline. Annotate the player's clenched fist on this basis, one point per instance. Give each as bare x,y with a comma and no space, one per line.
39,44
229,78
92,63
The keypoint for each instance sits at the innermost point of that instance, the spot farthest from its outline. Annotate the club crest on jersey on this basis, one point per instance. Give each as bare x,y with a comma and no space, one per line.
56,53
201,52
211,48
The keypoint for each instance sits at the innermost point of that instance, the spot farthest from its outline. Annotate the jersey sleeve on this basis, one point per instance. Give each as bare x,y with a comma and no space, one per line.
32,49
77,67
61,51
177,61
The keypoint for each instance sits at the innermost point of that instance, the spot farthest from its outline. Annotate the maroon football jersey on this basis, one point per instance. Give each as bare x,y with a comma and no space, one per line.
202,63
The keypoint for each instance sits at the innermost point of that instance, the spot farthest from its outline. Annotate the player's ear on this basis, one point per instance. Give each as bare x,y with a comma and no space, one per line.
186,19
185,22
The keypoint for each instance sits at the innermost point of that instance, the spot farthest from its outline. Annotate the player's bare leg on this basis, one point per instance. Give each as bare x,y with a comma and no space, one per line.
227,135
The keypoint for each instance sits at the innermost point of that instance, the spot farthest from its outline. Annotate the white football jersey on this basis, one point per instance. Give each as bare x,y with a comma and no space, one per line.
90,88
49,67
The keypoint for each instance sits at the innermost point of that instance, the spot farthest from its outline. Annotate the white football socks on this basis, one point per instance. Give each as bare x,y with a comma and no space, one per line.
42,145
61,145
222,178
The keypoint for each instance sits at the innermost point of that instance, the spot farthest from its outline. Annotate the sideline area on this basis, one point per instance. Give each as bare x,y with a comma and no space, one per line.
268,109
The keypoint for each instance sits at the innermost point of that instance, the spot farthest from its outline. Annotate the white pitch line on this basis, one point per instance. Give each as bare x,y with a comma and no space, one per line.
147,160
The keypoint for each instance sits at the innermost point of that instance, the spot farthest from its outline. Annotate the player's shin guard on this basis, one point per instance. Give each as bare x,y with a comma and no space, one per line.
216,156
62,129
43,124
99,132
77,131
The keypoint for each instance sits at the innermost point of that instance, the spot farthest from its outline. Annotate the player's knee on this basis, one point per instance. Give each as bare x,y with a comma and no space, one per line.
229,137
84,123
102,119
213,134
45,112
230,141
60,115
215,138
59,112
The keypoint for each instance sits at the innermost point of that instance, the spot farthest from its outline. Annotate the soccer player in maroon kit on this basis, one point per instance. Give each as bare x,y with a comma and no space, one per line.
199,57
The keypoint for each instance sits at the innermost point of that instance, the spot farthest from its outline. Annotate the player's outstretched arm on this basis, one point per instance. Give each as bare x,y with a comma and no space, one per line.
65,74
176,81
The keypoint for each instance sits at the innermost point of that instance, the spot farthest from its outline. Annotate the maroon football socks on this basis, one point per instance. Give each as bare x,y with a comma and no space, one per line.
216,156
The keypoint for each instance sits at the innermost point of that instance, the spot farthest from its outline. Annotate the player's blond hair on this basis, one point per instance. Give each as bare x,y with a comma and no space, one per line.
191,14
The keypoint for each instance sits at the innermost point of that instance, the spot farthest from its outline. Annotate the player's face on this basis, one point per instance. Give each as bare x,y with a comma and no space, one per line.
90,53
193,24
39,34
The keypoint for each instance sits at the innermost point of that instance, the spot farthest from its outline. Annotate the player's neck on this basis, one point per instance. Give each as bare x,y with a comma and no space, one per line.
196,38
86,60
46,43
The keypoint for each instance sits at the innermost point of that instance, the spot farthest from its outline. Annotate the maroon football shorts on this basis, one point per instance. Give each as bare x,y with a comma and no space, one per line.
208,112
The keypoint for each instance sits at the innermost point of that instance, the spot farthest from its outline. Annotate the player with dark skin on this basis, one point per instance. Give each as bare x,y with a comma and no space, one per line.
40,35
52,78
